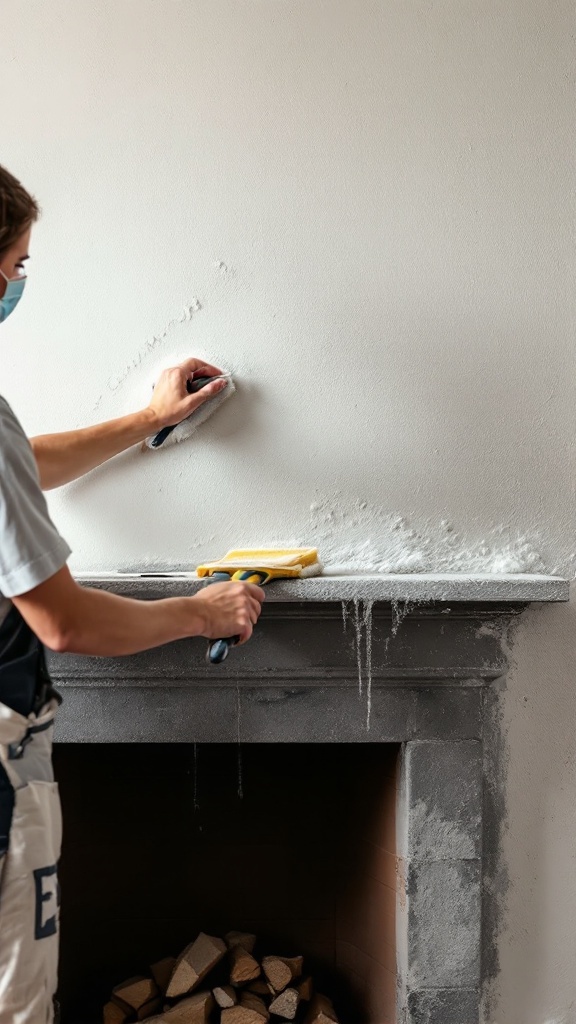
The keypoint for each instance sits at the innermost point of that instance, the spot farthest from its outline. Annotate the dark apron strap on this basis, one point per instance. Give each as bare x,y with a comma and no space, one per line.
25,685
6,809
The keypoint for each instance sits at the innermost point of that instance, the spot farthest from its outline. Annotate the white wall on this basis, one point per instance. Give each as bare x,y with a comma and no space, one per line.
537,982
370,201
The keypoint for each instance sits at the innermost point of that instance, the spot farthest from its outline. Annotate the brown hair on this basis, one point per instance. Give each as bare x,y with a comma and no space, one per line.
18,210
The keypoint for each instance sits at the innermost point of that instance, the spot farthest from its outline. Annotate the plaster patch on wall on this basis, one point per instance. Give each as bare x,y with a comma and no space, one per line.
445,950
438,838
362,538
153,343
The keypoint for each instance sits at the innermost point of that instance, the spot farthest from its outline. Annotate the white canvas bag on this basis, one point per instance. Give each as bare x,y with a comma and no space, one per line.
29,896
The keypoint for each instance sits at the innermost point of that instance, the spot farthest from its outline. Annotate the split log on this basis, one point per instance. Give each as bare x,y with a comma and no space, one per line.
240,1015
113,1013
128,1010
162,971
260,987
285,1004
225,996
194,1009
306,989
250,1010
295,963
194,963
149,1009
243,966
244,939
252,1002
281,970
136,991
321,1011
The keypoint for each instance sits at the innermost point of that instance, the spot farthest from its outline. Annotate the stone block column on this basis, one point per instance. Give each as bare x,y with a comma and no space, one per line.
438,915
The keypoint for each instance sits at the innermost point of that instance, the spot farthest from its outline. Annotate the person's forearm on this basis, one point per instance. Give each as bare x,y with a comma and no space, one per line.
66,456
108,625
70,618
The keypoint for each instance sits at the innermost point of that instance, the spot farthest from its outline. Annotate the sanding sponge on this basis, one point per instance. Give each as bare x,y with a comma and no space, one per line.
273,563
183,430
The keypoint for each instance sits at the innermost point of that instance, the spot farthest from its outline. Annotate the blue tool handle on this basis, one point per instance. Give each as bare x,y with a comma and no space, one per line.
192,386
218,649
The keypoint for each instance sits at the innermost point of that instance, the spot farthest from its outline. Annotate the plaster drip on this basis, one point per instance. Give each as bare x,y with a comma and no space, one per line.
238,712
360,614
195,781
345,616
358,643
400,609
367,621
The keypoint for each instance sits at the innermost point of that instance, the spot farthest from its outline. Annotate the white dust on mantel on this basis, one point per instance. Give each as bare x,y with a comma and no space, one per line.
361,539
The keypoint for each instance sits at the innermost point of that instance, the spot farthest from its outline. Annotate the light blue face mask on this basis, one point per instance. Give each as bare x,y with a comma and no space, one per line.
12,295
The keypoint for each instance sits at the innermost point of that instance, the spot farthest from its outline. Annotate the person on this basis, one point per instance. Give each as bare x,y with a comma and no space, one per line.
42,605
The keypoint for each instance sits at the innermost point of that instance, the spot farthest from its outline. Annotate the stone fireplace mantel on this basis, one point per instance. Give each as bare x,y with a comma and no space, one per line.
412,660
435,642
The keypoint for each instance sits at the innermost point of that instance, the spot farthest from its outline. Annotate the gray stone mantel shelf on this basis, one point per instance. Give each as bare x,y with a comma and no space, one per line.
415,587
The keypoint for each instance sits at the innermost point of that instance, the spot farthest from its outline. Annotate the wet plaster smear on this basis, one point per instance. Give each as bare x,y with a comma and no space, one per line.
363,210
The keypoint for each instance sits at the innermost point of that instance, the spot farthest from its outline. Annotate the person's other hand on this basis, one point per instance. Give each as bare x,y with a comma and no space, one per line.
229,609
171,402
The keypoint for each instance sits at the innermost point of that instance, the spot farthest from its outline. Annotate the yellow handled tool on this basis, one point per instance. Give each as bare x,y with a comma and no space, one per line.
260,566
218,649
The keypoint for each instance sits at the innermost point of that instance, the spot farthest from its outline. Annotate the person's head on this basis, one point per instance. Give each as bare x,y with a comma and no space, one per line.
18,212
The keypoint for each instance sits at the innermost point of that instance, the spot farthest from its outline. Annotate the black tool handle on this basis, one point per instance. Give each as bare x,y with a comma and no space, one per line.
218,649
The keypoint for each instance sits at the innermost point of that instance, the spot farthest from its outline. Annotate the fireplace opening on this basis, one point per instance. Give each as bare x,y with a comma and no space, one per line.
294,842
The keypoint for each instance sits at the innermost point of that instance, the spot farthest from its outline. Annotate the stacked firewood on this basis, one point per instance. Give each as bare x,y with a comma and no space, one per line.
220,981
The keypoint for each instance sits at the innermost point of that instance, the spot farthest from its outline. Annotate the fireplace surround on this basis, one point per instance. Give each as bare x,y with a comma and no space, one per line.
411,668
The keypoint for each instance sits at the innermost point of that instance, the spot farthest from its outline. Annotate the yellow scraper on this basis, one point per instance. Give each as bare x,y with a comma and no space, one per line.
260,566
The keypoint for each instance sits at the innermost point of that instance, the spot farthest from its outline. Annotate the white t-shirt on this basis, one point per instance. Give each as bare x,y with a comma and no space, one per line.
31,549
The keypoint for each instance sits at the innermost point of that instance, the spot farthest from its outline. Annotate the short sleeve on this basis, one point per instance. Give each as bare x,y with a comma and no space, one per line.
31,549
